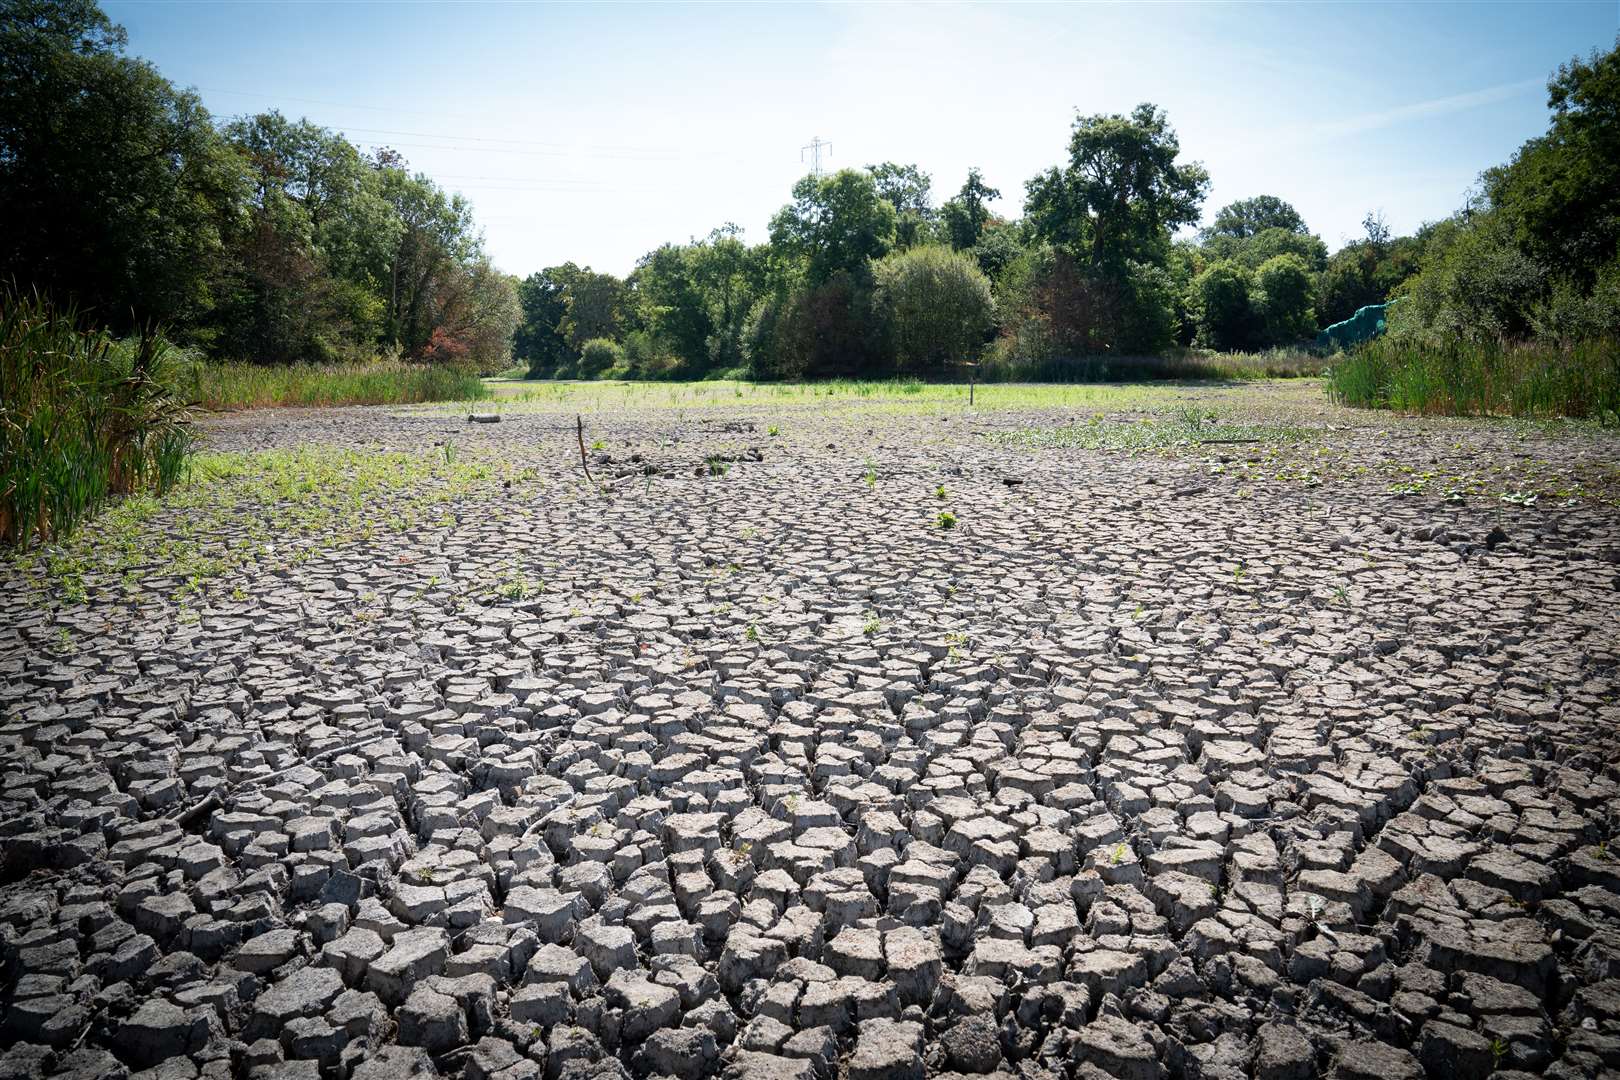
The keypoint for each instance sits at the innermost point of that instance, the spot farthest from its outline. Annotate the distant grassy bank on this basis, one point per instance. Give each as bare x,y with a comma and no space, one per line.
1464,378
250,386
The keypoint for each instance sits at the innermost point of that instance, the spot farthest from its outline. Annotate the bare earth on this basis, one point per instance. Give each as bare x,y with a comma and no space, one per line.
1157,763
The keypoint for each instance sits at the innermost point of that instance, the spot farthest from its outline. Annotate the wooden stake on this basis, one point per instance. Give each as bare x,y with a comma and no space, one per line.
579,430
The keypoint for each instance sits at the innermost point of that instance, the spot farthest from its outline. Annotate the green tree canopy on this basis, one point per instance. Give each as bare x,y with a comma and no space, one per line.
938,305
1286,299
966,215
1560,195
1248,217
1121,192
1221,306
115,189
835,224
906,188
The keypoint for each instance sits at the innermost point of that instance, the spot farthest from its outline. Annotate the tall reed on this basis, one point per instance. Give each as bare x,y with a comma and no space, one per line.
1481,378
83,417
248,386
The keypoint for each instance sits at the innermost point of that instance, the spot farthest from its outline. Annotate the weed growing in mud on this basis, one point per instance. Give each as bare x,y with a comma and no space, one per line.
871,625
940,494
946,520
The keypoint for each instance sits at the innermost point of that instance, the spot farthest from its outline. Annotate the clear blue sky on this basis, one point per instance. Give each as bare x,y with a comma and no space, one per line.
595,132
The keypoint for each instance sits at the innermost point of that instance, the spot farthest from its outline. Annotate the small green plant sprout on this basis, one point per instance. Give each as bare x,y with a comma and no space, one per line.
773,431
449,452
64,639
1139,613
1499,1049
871,625
752,633
1117,854
1341,595
598,445
870,475
940,494
718,466
946,520
1239,572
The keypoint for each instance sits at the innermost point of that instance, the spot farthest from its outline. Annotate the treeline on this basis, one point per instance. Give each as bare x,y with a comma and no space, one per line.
268,240
258,238
1535,254
863,274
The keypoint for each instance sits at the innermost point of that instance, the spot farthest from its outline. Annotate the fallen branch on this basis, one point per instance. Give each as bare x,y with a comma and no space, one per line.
1226,442
579,431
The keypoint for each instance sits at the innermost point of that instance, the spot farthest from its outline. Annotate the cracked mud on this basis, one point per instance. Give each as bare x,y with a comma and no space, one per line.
745,765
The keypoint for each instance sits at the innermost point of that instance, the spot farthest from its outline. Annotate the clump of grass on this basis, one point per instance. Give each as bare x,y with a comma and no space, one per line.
83,418
251,386
1481,378
946,520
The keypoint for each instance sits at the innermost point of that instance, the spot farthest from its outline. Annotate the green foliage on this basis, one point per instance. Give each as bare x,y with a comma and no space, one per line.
83,418
1475,284
1222,306
835,224
1247,218
938,305
1286,300
115,190
1121,193
1559,198
599,356
906,188
965,216
225,386
1464,377
539,341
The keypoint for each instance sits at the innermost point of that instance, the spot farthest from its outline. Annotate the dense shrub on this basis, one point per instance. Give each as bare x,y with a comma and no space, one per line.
598,356
1287,311
937,302
1221,306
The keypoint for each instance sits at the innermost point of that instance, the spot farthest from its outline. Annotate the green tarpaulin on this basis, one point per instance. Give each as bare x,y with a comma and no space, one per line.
1365,324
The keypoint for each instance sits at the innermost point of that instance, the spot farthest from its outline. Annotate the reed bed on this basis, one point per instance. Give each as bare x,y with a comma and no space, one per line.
84,417
228,386
1580,380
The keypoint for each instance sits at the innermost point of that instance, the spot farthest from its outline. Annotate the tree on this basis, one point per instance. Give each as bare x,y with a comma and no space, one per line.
1247,217
303,278
672,305
477,312
594,307
1221,306
539,341
115,189
731,275
1560,195
1120,194
906,188
1251,251
436,236
938,304
835,224
966,215
1286,301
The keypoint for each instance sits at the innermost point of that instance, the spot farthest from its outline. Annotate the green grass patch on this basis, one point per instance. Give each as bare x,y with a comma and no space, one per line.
251,386
1466,378
233,510
83,418
1180,429
1189,364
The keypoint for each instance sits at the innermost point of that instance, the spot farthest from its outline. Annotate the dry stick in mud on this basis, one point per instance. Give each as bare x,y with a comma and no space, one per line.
579,431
